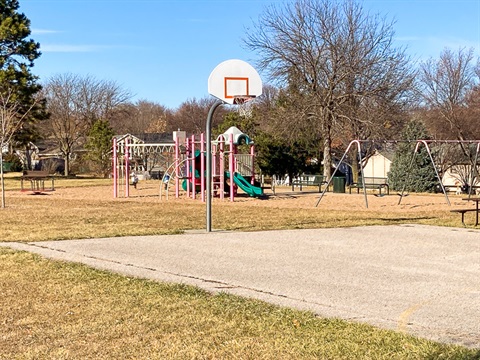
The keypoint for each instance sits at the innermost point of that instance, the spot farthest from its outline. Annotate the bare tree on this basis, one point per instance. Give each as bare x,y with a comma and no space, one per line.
335,61
74,104
473,111
97,99
140,117
451,95
446,84
13,114
191,116
65,125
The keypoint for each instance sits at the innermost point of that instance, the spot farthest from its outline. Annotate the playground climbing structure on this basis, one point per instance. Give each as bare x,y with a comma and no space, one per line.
184,165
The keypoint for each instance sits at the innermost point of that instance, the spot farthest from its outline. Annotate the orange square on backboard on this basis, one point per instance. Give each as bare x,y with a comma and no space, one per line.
236,86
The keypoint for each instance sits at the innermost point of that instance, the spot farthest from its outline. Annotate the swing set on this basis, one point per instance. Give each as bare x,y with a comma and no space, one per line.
473,176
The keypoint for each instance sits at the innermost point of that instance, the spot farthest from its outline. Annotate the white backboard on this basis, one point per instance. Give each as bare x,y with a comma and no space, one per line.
233,78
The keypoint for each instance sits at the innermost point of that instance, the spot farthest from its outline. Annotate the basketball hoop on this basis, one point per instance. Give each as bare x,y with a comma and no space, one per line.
228,78
242,99
243,104
234,82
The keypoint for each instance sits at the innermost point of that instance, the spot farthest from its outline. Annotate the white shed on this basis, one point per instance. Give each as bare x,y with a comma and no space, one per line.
378,165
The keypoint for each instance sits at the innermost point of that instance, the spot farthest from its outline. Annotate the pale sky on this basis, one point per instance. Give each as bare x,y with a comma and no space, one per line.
164,50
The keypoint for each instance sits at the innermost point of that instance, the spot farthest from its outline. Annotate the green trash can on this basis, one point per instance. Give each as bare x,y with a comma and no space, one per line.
339,184
7,166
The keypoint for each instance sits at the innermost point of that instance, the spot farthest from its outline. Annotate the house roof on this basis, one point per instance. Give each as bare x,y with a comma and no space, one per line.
386,153
146,138
156,138
132,138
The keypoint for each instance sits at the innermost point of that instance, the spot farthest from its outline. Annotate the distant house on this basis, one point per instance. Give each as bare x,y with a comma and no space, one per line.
156,138
41,155
152,157
458,175
378,165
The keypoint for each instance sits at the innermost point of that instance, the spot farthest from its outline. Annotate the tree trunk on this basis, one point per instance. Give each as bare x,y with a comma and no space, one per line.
327,157
327,146
28,158
2,179
67,166
355,165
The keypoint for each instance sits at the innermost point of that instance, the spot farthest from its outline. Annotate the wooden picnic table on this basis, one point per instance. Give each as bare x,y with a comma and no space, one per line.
476,200
37,180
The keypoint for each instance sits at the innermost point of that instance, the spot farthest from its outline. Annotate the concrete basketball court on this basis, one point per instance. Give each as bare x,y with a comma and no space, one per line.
423,280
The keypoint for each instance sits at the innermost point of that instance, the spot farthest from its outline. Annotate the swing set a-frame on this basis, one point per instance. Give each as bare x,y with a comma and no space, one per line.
419,143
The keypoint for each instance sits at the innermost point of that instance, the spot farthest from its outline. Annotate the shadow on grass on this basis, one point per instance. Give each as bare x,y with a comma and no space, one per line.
402,219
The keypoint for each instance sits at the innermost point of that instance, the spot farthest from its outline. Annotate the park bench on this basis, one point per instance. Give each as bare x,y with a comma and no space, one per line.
370,183
267,184
309,180
37,181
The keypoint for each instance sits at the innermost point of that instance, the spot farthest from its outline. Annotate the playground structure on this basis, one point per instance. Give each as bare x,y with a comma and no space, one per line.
184,165
131,155
232,82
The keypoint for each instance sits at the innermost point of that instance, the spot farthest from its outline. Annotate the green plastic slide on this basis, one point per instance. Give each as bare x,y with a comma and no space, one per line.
248,188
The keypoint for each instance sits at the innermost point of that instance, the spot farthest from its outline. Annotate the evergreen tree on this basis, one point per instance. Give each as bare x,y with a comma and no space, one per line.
19,103
415,173
245,123
99,145
277,157
17,55
274,155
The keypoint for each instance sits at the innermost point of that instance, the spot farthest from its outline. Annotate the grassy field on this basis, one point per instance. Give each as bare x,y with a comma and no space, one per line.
54,310
85,208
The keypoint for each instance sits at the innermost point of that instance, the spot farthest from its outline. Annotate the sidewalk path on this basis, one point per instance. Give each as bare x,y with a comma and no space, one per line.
423,280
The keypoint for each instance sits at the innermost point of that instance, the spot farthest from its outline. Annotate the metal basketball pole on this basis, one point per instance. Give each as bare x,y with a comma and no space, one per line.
208,134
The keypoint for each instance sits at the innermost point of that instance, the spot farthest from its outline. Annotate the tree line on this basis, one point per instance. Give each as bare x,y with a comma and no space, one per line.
334,74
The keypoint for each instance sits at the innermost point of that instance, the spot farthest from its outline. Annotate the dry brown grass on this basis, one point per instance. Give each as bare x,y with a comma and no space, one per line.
84,209
53,310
